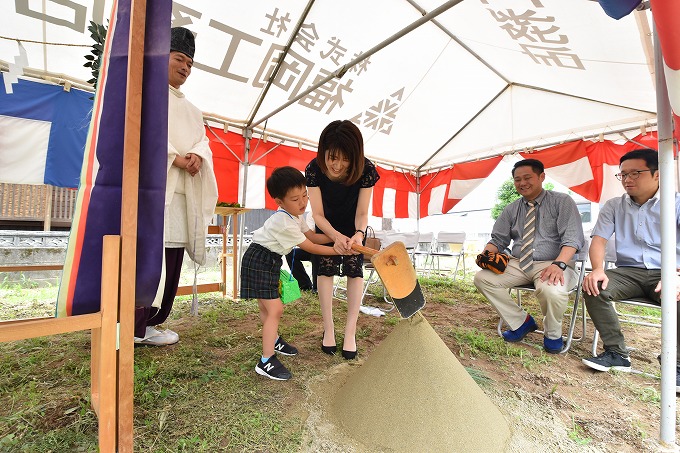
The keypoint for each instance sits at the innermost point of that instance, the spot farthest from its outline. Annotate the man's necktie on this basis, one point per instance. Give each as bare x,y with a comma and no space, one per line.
527,251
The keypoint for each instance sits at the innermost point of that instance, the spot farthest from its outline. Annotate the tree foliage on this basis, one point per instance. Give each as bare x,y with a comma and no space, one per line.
506,194
98,35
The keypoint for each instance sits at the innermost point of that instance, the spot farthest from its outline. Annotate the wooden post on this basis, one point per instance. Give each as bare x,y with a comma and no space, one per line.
104,354
47,224
234,254
129,211
223,261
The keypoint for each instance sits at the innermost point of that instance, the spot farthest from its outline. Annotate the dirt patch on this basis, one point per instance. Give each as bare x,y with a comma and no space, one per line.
551,402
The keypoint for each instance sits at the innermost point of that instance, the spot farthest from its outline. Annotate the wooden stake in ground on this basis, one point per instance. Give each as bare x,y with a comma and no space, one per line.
394,266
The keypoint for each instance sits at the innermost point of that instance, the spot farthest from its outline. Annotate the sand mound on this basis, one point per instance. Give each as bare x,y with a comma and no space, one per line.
412,394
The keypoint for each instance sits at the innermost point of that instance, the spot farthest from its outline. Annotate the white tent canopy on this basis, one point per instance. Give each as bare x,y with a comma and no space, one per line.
486,77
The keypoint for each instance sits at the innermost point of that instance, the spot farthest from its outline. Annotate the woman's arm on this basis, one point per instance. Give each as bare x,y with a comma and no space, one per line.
340,240
361,215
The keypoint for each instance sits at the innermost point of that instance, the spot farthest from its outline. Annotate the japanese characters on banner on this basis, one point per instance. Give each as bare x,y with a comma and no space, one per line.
538,35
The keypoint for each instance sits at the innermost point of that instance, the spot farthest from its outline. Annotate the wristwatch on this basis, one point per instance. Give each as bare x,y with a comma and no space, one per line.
561,264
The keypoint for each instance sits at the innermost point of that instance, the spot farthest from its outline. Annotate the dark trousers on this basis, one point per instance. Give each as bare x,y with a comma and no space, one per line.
298,269
624,283
152,316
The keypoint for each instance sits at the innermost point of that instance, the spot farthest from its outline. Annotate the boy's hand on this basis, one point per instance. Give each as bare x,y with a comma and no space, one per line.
342,245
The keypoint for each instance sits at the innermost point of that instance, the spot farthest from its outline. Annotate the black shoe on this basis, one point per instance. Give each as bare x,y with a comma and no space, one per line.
608,360
284,348
330,350
349,355
273,369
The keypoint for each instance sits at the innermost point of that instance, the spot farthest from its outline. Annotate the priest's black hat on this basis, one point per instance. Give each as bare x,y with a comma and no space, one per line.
182,40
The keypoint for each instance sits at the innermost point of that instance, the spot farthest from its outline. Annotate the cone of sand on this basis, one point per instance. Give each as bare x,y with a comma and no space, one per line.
412,395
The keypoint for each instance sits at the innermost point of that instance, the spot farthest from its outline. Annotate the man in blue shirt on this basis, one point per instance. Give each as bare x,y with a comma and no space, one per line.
545,229
635,218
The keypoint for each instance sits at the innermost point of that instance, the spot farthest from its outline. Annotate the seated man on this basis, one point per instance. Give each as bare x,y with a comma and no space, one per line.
296,266
546,231
635,217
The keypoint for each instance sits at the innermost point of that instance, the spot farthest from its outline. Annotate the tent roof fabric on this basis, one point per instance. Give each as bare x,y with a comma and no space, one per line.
486,77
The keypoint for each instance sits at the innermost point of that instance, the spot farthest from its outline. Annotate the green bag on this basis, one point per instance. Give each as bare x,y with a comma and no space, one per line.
288,287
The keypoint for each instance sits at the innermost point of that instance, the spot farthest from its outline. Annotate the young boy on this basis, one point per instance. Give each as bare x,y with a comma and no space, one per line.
261,263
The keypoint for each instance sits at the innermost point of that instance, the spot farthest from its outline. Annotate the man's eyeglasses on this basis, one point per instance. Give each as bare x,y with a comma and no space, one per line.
635,174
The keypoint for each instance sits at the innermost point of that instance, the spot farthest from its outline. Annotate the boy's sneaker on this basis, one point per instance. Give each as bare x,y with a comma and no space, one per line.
273,369
282,347
513,336
608,360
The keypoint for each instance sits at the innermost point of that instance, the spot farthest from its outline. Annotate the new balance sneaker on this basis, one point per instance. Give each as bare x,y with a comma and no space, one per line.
283,348
155,337
513,336
273,369
608,360
552,346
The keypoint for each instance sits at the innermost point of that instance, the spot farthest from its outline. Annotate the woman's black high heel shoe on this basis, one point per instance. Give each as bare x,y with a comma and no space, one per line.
349,355
330,350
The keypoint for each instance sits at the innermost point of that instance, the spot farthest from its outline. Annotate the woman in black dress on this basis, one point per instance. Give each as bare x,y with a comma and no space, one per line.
340,183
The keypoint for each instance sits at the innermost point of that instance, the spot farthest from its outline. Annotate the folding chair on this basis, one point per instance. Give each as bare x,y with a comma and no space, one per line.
640,320
422,252
580,268
448,245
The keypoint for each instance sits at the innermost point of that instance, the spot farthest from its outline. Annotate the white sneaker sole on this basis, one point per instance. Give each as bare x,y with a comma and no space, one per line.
261,372
595,366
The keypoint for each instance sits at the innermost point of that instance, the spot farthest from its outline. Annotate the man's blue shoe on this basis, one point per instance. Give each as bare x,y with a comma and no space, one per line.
552,346
513,336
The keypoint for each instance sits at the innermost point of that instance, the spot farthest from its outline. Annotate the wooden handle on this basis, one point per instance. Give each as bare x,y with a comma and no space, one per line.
364,250
391,260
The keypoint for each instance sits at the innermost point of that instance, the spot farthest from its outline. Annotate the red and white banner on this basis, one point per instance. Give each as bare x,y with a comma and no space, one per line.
665,18
466,177
588,168
394,195
228,154
585,167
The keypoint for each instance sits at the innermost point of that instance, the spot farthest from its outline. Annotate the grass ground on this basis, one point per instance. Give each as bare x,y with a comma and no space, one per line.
202,394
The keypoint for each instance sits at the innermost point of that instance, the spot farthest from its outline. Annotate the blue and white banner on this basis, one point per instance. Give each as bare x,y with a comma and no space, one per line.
43,129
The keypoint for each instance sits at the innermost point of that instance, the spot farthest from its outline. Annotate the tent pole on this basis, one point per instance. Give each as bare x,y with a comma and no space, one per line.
418,200
543,146
462,128
668,253
341,70
453,37
279,63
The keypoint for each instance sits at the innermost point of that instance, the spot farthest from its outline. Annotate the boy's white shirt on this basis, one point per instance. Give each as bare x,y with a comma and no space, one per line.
281,232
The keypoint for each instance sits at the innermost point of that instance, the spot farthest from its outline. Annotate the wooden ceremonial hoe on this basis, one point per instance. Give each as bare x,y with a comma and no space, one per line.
397,273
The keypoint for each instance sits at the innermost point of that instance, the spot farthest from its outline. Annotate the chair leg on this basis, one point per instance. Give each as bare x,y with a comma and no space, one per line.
596,338
368,282
455,272
339,292
572,323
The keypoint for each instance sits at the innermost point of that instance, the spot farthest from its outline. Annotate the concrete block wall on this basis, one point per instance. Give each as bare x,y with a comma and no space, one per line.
20,248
